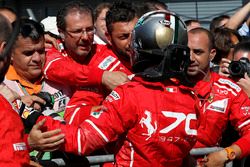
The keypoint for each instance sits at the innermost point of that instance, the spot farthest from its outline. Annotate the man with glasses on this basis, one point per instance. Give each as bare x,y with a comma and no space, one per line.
70,65
115,56
158,130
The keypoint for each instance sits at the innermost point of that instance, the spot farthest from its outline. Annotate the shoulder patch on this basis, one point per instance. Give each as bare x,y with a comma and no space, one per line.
115,95
218,106
230,84
19,146
106,62
96,114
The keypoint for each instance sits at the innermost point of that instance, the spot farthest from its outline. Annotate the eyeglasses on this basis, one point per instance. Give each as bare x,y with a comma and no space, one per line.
78,33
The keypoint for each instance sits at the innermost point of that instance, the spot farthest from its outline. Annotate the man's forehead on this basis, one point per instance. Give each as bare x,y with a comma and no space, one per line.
240,54
77,13
28,42
125,26
81,18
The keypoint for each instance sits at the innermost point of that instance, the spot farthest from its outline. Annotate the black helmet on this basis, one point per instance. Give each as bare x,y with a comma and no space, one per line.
160,45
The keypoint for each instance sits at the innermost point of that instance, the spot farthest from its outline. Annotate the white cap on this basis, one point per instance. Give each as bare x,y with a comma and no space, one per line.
50,25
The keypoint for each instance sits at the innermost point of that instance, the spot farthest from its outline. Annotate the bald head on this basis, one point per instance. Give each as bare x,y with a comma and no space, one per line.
8,13
5,32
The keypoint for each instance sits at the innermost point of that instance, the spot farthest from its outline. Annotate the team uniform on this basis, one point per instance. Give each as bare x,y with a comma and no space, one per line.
62,69
13,148
156,130
85,97
221,101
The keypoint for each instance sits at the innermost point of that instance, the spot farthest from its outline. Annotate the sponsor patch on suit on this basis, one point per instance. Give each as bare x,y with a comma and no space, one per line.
218,105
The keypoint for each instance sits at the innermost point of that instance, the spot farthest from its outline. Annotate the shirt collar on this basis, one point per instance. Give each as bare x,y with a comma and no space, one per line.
31,88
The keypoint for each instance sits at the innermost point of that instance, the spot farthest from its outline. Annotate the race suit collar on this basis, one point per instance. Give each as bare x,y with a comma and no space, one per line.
203,88
162,85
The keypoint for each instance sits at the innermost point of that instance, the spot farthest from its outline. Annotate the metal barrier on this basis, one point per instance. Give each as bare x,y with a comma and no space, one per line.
94,161
100,158
207,150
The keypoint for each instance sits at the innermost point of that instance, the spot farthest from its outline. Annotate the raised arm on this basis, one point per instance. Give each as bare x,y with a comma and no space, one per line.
238,18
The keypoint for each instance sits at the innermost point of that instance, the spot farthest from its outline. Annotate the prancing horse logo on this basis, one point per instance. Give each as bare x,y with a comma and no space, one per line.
149,126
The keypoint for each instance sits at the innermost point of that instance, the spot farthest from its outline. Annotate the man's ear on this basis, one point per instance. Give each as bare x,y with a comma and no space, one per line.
2,46
212,54
108,38
61,34
11,52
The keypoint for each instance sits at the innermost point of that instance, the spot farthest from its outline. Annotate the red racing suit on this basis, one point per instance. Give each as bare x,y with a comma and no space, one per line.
84,98
62,69
222,101
155,121
13,148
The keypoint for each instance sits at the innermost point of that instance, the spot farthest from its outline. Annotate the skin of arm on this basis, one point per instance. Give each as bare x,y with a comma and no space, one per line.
237,19
219,158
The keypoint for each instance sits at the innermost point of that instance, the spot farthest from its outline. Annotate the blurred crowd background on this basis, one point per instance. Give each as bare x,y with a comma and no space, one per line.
202,10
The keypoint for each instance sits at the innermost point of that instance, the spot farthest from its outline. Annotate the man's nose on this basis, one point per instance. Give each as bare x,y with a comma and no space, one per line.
36,56
84,35
192,58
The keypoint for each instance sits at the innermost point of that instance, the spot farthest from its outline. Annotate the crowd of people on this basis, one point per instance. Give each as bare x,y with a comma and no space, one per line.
127,78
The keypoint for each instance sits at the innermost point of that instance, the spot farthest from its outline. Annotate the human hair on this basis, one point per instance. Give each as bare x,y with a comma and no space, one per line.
223,42
215,23
70,7
120,11
242,46
156,5
30,29
5,29
189,22
208,33
142,8
100,7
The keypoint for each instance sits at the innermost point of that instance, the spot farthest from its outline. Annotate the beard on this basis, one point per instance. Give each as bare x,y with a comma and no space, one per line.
123,54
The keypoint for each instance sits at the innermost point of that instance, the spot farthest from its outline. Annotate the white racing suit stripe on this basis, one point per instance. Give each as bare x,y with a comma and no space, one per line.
45,71
244,124
79,142
98,130
131,155
230,90
73,115
115,66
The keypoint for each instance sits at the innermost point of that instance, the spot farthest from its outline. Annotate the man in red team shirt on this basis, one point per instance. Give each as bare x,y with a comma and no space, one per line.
156,126
220,101
14,151
115,56
69,66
